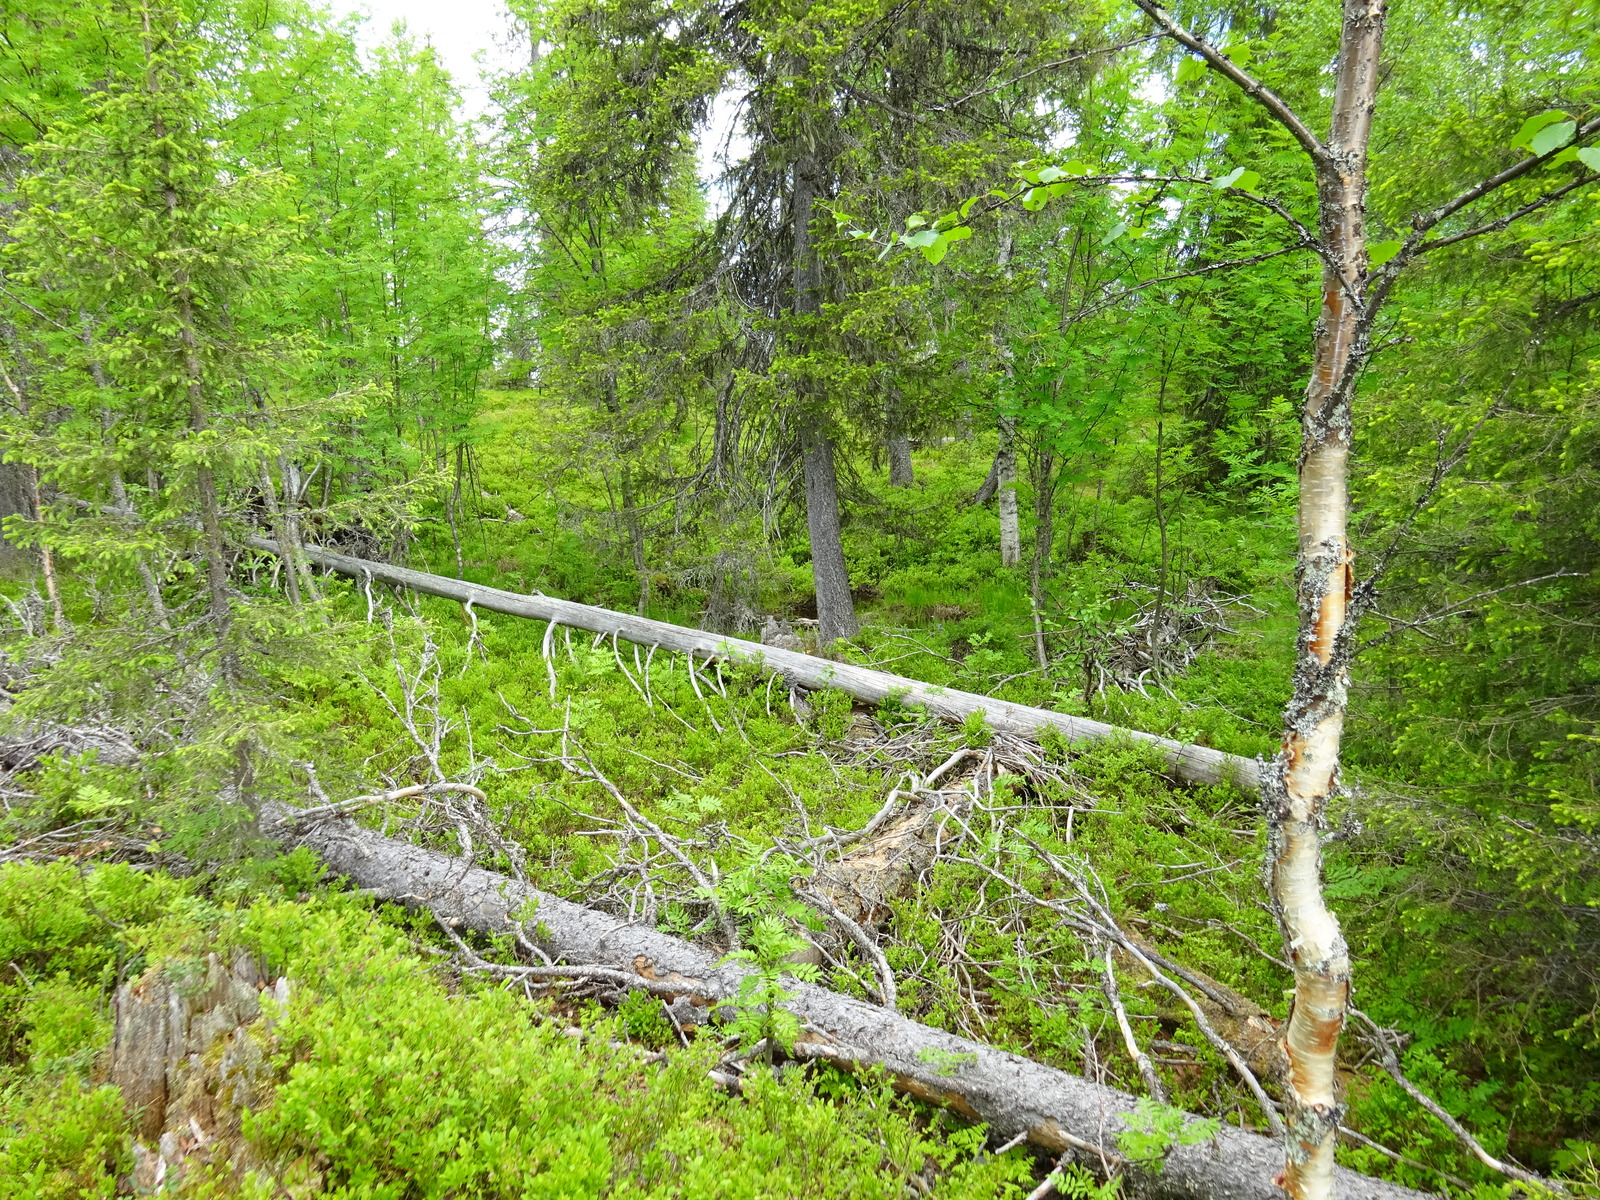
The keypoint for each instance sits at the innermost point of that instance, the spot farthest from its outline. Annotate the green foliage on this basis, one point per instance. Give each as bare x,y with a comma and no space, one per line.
1154,1129
69,1142
1077,1183
761,1015
975,732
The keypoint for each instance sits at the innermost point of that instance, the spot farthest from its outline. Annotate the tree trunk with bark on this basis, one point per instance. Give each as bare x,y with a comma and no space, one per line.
1297,785
1005,455
896,443
836,610
1005,463
1057,1111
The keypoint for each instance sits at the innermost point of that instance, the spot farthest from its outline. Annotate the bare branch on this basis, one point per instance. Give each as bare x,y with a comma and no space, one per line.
1380,1042
1500,223
1260,93
1147,1069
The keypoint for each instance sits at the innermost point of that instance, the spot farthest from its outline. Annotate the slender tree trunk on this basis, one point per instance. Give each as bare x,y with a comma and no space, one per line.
280,530
47,562
35,492
451,505
1298,785
836,614
897,443
205,479
1044,537
630,518
1161,522
1005,457
119,488
289,472
836,611
724,434
1005,461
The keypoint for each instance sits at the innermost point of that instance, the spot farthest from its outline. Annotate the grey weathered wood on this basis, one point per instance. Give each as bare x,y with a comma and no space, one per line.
1193,764
1011,1093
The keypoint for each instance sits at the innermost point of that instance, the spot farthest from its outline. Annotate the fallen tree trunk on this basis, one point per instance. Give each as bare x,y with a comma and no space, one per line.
1192,764
1012,1094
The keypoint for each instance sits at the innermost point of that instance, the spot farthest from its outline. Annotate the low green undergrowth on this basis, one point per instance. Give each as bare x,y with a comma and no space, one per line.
396,1080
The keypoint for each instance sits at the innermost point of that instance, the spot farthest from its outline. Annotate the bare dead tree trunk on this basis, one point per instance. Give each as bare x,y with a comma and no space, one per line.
1005,463
1195,764
1296,786
1052,1109
836,610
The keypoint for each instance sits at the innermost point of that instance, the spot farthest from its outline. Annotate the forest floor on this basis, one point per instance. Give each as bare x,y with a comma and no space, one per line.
391,1070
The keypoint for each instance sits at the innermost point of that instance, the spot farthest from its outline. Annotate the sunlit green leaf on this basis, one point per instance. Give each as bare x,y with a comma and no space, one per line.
1533,125
1117,230
1240,177
1553,137
1381,252
1589,156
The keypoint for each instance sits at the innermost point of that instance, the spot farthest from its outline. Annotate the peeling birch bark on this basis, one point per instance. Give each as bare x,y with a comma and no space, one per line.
1013,1095
1296,786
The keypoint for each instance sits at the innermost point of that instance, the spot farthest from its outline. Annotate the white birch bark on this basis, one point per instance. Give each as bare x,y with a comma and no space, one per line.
1296,786
1005,461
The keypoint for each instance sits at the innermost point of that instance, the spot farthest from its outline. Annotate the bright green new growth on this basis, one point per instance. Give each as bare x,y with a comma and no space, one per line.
389,1083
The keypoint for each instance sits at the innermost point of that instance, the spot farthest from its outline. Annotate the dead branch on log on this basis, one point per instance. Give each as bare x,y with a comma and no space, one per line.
1195,764
1058,1111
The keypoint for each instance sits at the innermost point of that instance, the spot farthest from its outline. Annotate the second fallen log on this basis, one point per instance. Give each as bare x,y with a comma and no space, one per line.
1012,1094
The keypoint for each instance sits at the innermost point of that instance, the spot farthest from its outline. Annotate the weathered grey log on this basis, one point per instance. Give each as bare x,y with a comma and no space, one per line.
1193,764
1058,1111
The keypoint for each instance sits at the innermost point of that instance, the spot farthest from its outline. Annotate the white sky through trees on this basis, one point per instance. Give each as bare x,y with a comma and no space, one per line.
459,29
456,29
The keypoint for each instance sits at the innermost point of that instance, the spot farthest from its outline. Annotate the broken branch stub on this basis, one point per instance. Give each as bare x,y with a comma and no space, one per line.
1192,764
1012,1094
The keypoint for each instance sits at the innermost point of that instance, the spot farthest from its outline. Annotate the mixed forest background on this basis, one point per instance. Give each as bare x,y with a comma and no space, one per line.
981,358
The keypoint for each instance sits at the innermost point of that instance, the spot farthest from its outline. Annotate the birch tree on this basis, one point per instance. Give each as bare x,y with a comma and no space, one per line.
1297,786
